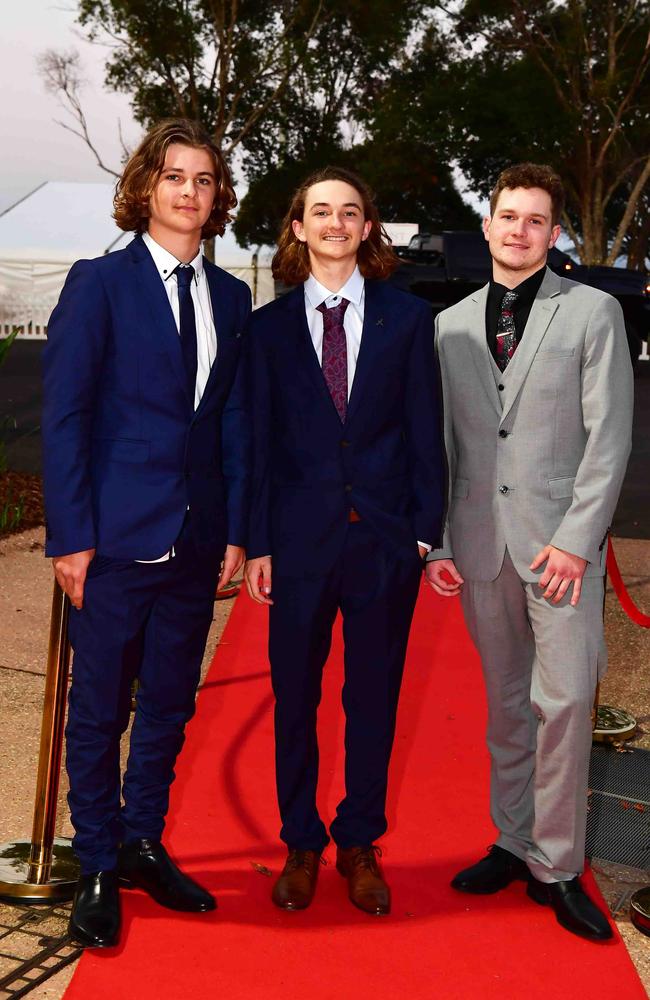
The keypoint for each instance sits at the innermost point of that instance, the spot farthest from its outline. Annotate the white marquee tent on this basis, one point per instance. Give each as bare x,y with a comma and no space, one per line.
43,234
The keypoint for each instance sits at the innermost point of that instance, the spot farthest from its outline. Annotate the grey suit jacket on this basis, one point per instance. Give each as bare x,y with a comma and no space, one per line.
537,454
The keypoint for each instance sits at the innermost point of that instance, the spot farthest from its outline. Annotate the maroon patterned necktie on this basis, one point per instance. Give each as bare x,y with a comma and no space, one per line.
506,333
335,355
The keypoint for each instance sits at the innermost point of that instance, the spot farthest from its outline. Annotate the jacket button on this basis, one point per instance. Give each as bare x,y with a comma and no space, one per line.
348,488
501,387
503,433
345,444
503,489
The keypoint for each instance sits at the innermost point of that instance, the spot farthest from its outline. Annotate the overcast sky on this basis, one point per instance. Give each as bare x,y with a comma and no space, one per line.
34,147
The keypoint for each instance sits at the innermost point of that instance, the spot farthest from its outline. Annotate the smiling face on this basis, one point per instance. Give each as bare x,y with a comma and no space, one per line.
333,225
520,233
184,195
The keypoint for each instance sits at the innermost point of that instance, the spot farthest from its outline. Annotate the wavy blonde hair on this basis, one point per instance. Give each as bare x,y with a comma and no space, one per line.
375,256
142,171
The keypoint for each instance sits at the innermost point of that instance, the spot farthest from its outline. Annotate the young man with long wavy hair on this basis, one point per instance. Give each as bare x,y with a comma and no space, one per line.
146,478
347,499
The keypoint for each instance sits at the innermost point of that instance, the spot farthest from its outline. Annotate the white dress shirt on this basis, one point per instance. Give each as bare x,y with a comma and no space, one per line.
206,337
354,291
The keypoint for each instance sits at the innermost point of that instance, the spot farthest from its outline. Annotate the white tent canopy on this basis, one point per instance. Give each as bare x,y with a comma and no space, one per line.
43,234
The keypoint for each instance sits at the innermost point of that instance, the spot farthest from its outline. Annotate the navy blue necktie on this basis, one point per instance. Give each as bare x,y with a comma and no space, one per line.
187,325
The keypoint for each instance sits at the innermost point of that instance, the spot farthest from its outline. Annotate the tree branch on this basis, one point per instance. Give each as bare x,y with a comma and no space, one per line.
628,214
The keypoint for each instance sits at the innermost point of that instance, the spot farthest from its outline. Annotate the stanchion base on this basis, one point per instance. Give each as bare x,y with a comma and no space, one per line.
15,886
613,725
640,910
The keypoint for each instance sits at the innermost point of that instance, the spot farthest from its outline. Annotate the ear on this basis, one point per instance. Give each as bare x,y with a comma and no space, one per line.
367,226
555,233
298,230
486,227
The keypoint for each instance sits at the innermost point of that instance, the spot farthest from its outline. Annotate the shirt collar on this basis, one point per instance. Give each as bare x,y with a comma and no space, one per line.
166,262
352,290
526,290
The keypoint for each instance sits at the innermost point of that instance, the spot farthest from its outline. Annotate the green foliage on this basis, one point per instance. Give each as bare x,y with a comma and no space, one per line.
11,513
5,344
402,90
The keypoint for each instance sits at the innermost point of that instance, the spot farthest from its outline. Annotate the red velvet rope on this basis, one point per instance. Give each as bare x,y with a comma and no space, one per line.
624,598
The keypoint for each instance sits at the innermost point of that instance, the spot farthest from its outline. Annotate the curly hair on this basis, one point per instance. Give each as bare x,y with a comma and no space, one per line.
142,171
530,175
375,256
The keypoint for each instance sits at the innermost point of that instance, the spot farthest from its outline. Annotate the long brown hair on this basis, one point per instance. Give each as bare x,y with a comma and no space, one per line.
138,181
375,257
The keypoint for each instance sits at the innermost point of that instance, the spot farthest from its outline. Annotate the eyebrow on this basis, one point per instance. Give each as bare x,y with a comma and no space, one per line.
513,211
179,170
326,204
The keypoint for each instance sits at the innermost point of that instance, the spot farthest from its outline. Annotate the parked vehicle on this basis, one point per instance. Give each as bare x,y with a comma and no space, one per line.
444,268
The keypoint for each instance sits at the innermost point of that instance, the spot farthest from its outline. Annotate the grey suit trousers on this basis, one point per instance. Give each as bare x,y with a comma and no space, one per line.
541,663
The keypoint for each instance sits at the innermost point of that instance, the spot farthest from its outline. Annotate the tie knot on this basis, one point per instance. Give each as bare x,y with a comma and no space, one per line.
508,301
333,315
184,274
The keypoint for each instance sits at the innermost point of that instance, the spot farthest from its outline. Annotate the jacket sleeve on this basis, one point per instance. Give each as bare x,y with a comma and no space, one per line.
236,433
423,433
607,406
445,550
259,533
71,367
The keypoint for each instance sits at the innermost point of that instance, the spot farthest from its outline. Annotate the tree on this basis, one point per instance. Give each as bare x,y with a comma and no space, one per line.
577,75
409,184
222,62
323,118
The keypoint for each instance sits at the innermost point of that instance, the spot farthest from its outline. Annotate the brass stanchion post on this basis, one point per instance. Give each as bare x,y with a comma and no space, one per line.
44,869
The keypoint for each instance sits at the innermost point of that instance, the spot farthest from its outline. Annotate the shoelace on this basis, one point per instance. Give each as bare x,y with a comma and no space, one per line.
366,857
302,859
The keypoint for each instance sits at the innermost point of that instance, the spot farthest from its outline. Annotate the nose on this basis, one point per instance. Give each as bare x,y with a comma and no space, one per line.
188,190
336,221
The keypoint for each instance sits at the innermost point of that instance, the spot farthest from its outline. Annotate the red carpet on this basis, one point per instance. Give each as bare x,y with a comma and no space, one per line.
436,944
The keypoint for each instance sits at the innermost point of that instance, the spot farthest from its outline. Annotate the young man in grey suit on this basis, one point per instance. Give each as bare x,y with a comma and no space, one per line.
538,392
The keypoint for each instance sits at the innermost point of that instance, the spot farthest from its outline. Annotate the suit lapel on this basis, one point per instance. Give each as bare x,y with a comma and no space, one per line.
541,314
376,327
480,350
165,331
223,317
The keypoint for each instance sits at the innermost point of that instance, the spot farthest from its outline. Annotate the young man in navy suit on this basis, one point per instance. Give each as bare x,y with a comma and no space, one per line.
348,488
146,473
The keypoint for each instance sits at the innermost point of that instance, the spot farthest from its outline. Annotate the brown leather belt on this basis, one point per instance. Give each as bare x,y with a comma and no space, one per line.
353,517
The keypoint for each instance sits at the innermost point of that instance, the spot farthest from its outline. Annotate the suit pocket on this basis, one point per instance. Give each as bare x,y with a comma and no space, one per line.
124,450
566,352
460,489
559,489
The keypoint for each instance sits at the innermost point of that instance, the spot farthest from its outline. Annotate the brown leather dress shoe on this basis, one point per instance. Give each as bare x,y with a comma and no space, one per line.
295,887
366,886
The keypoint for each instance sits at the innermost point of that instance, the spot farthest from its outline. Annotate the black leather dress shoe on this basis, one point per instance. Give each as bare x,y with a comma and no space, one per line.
95,917
573,908
495,871
145,864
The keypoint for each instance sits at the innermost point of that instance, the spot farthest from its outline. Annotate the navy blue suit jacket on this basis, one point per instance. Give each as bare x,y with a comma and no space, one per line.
386,460
125,453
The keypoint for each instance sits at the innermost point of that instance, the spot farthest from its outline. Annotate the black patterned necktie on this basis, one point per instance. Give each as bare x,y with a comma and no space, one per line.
506,333
187,325
335,355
